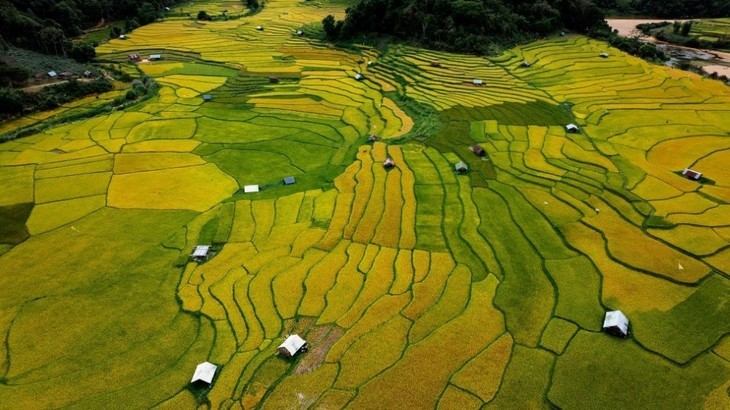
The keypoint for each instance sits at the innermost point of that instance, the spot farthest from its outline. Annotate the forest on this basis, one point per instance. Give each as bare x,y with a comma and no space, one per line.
47,25
485,26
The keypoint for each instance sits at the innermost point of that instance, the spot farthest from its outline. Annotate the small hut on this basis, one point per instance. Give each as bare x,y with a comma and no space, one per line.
478,150
87,73
207,97
616,323
66,75
571,128
371,63
155,57
388,163
260,28
289,181
274,80
300,33
359,77
201,253
692,174
250,189
525,64
360,61
435,64
52,74
122,37
461,167
604,55
204,373
477,82
292,345
372,138
134,57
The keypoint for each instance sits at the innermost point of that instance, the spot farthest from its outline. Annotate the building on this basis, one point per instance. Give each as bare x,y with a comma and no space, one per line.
461,167
289,181
292,345
435,64
122,37
66,75
359,77
134,57
616,323
273,80
260,28
604,55
154,57
250,189
201,253
478,150
204,373
87,73
52,74
388,163
207,97
372,138
525,64
691,174
571,128
478,82
300,33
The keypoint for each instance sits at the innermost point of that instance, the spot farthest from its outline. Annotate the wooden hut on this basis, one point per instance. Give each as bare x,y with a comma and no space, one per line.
201,253
604,55
571,128
359,77
204,373
477,82
435,64
273,80
388,163
372,138
291,346
478,150
616,323
461,167
692,174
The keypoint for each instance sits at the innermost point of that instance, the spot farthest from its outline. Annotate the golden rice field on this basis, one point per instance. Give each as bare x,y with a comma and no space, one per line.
415,287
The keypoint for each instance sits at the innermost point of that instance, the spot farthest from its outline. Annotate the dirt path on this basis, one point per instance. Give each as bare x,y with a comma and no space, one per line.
38,87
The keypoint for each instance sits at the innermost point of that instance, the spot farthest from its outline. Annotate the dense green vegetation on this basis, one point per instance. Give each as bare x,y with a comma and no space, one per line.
47,25
477,26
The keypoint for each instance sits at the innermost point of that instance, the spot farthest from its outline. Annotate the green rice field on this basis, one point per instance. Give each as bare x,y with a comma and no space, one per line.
416,286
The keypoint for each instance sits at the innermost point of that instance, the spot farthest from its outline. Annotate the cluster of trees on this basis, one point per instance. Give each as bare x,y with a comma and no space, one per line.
678,8
678,33
47,25
15,102
465,25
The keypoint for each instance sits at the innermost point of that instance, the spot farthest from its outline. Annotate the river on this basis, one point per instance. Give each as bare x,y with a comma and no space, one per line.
710,60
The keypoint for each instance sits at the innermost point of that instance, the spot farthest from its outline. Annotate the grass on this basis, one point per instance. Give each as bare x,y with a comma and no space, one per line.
415,287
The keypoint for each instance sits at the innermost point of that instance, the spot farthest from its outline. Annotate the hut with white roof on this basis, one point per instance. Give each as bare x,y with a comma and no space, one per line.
204,373
616,323
291,346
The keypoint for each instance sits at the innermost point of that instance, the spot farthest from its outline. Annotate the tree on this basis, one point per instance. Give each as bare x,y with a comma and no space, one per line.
147,13
83,53
686,27
331,28
202,15
10,101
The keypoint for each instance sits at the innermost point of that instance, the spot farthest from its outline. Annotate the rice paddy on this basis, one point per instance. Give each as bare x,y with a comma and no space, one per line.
415,286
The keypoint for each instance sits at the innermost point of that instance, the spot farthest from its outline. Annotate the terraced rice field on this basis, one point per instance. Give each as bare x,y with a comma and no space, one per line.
416,287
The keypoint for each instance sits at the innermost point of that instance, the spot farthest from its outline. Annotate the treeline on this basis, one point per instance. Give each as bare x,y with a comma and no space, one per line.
466,25
47,25
667,8
17,102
